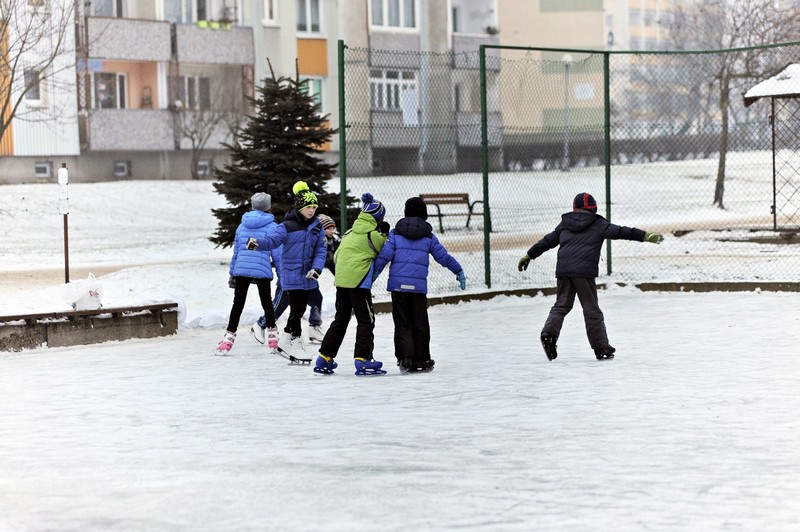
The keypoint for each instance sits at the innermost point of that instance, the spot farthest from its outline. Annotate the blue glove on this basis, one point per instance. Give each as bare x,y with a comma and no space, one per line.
462,279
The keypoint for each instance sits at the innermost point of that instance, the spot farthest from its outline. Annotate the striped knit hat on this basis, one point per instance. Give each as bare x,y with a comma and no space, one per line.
373,207
584,201
326,221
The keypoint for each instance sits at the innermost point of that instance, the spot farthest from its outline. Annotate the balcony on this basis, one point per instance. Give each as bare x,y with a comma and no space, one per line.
209,46
129,40
129,129
465,51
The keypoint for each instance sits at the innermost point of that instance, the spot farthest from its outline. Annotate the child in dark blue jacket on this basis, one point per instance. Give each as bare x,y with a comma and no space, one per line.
252,266
409,247
579,238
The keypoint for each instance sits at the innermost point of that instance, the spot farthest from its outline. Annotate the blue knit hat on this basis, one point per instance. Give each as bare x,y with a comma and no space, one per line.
584,201
373,207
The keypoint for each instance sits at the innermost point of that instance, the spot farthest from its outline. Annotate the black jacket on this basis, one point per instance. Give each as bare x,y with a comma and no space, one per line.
580,236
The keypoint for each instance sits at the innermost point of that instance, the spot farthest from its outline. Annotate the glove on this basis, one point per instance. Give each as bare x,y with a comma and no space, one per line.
231,282
462,279
384,228
252,244
313,274
522,265
655,238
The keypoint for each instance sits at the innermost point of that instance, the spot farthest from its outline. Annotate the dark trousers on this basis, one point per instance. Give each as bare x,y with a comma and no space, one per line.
349,301
281,303
586,290
298,299
240,297
412,331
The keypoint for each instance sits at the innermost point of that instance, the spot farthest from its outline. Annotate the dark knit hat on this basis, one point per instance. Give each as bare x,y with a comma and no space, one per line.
416,208
303,197
326,221
373,207
584,201
261,201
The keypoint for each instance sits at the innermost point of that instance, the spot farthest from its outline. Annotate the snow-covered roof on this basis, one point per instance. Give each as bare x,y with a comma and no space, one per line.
785,83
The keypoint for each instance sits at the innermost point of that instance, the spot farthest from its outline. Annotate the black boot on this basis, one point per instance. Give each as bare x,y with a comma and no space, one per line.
549,344
604,353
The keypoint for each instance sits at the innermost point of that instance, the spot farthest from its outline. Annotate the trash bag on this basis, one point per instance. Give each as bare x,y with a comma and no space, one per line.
84,294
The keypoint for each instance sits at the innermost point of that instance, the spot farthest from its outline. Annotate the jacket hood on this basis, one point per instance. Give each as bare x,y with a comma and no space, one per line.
364,224
256,219
413,228
577,221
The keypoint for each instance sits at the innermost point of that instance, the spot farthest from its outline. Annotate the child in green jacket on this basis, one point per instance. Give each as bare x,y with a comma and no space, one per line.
355,261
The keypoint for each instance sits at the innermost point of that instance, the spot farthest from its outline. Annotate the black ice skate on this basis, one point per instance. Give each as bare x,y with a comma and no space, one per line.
549,344
604,353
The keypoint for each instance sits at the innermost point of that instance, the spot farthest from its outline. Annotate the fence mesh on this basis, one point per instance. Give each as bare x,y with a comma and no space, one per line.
414,127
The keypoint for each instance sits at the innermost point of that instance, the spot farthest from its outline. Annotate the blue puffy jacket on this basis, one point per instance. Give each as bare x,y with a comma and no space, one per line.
258,263
409,248
304,249
580,236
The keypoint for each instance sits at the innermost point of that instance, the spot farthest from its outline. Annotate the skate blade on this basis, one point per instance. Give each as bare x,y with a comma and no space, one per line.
323,371
370,372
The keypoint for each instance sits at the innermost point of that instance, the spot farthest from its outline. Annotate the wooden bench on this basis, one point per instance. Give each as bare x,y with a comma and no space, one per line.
437,200
73,315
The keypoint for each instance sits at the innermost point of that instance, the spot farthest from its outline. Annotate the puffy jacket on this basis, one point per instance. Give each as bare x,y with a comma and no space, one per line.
408,248
258,263
580,236
304,249
355,257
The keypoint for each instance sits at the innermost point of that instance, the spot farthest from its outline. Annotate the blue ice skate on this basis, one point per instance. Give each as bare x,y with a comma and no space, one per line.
369,366
325,365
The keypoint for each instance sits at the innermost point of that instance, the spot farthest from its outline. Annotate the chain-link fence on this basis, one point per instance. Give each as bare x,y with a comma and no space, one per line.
525,130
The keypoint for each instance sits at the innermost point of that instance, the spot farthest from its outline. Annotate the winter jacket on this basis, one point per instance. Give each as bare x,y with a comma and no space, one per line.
408,248
580,236
256,263
303,250
355,257
332,244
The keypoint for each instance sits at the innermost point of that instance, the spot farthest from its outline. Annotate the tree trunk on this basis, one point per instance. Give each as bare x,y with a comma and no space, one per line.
719,190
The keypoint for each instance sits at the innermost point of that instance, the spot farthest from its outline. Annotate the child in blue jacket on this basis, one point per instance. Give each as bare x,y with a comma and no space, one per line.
252,266
304,254
408,248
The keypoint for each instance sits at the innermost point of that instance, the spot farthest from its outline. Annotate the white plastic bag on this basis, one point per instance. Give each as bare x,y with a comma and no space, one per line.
85,294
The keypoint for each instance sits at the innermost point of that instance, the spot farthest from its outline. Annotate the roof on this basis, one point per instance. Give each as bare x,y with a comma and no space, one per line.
784,84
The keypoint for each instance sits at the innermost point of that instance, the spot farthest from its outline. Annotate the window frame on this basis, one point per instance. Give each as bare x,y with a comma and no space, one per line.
270,5
385,13
309,27
191,95
120,81
39,99
318,95
385,92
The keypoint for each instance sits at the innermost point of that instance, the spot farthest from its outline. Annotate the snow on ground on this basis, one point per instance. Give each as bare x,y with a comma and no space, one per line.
692,427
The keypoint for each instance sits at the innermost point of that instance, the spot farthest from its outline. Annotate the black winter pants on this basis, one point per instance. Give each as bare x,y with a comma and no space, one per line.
349,301
298,299
240,297
586,290
412,331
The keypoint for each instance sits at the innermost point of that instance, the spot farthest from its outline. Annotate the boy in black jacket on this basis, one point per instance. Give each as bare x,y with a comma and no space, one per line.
580,237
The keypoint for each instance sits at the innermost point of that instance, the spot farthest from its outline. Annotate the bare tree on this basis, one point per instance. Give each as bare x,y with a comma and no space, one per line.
744,27
199,121
37,46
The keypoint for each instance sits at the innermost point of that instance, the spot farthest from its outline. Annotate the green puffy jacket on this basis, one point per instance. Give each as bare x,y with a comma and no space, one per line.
355,257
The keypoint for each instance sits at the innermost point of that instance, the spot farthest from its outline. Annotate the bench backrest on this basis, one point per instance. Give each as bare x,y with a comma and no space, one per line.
445,198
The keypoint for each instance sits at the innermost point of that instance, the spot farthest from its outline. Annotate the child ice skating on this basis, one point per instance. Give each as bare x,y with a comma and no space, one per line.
303,258
579,238
252,266
408,248
355,260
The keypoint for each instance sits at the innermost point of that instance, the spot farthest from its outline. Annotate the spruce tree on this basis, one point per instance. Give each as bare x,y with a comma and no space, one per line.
279,145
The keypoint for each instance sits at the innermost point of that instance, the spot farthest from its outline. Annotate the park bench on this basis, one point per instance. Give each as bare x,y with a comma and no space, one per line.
437,200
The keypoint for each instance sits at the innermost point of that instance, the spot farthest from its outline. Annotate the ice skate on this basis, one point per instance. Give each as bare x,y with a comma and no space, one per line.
316,334
604,353
272,338
225,346
368,366
325,365
549,345
258,332
408,365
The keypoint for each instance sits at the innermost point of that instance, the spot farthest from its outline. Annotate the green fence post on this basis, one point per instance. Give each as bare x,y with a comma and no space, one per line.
607,146
342,144
485,170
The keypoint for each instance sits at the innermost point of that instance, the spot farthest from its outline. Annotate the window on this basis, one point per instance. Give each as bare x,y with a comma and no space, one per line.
387,86
203,168
122,168
270,12
308,16
43,169
108,8
202,12
179,11
37,3
313,87
393,13
33,85
194,92
109,90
